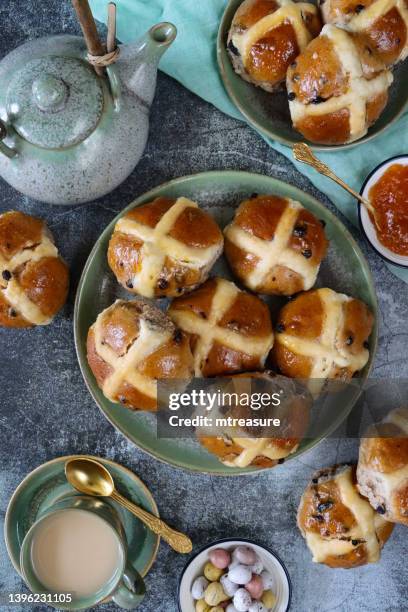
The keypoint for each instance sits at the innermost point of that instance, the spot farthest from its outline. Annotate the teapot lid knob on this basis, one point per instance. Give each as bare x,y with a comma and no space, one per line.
49,92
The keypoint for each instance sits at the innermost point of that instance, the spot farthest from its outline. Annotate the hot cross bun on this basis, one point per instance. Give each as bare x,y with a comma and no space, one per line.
231,330
253,445
339,525
382,24
336,88
131,345
382,471
274,245
164,248
322,334
33,278
267,35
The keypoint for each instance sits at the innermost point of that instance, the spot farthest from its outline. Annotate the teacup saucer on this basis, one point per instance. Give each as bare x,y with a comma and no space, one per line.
47,484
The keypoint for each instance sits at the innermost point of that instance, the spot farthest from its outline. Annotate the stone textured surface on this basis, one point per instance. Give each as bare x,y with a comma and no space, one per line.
46,410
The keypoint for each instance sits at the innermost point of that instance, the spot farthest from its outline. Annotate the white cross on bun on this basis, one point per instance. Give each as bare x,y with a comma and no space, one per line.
267,35
164,248
382,470
336,88
33,278
274,245
231,330
339,525
131,345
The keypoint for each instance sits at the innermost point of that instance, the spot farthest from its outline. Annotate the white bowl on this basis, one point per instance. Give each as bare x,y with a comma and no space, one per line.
367,225
272,563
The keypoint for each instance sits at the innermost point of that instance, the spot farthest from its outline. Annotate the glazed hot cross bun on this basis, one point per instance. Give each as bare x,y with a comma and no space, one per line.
33,277
382,24
231,330
323,334
339,525
164,248
131,345
382,470
267,35
274,245
337,88
253,445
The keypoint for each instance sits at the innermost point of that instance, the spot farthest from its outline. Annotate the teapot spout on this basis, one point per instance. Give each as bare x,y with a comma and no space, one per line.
138,62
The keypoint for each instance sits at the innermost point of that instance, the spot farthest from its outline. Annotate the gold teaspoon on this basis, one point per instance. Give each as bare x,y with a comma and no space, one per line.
92,478
302,152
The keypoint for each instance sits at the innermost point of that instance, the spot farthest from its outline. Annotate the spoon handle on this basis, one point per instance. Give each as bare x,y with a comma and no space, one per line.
302,152
178,541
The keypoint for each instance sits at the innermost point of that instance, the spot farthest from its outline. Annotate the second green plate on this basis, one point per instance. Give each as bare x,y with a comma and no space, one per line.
345,269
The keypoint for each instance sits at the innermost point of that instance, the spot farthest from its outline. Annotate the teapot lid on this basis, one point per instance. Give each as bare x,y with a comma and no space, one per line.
55,102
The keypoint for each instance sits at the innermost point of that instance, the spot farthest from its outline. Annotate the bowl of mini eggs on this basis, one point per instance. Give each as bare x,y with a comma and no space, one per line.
234,576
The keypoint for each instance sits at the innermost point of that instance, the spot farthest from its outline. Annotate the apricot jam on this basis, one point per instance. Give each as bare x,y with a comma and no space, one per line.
389,196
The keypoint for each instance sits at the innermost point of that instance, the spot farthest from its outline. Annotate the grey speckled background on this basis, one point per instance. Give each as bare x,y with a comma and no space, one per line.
46,410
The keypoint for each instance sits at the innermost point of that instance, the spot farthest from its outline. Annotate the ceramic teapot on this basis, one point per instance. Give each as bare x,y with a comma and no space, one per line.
67,134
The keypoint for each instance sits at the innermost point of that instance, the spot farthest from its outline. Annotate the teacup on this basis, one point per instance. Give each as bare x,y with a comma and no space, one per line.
76,555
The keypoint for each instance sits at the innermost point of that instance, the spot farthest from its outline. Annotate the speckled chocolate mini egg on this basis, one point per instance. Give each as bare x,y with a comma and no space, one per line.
198,587
229,587
242,600
220,558
257,567
267,580
257,606
240,574
244,554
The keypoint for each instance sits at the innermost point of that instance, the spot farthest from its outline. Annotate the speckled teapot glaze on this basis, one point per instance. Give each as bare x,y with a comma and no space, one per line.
67,135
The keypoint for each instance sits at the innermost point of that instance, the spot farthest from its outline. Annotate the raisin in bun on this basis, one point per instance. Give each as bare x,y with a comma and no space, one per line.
337,88
339,525
253,445
131,345
382,470
322,334
274,245
381,24
33,277
164,248
231,330
267,35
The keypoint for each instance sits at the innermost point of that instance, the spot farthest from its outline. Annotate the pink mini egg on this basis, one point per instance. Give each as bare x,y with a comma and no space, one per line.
255,587
220,558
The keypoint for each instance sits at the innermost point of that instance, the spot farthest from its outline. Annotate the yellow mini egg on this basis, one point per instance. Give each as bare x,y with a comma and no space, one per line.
214,594
268,599
202,606
217,609
212,573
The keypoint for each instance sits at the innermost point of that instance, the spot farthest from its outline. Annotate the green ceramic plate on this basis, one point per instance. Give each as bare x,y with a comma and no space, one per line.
47,484
269,113
344,269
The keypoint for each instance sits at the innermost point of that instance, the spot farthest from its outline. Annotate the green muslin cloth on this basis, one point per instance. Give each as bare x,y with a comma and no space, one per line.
192,61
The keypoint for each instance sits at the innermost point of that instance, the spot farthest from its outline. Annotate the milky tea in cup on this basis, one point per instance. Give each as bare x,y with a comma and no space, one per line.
75,551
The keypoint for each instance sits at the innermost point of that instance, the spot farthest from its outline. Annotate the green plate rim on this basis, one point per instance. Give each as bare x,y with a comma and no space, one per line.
233,174
252,121
63,459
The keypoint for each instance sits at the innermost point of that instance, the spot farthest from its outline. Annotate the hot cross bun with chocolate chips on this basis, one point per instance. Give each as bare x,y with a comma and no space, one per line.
339,525
322,334
131,345
166,247
33,278
274,245
231,330
267,35
381,24
336,88
382,470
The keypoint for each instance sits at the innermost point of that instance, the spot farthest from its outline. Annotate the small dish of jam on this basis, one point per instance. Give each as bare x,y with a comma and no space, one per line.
387,190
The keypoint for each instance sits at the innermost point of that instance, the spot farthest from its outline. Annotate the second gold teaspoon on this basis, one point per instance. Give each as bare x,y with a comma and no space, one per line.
92,478
302,152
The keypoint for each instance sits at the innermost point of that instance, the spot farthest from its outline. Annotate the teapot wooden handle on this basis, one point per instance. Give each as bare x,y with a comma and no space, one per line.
8,151
88,27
